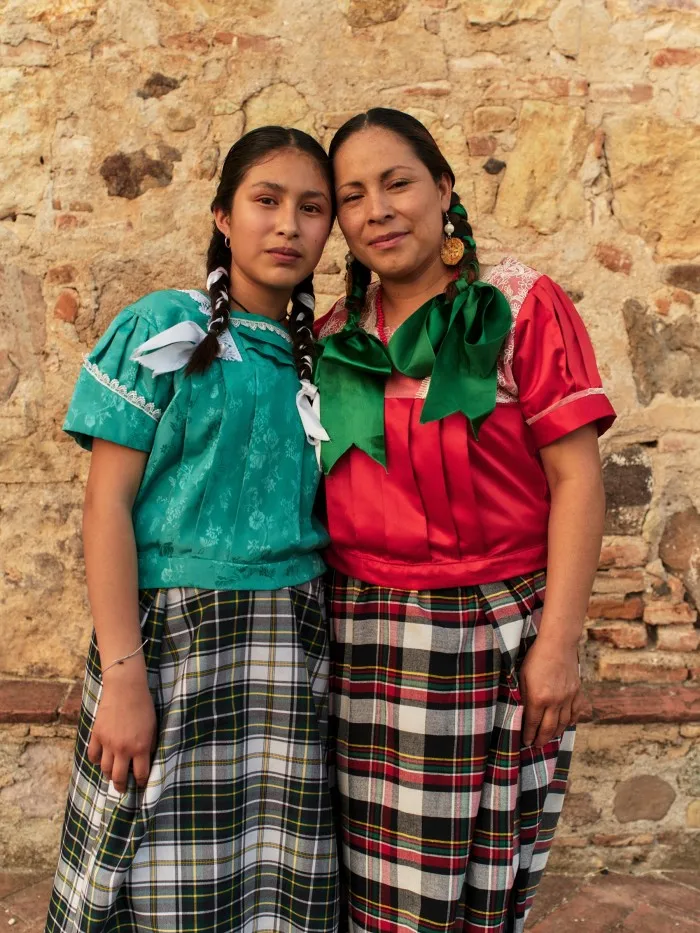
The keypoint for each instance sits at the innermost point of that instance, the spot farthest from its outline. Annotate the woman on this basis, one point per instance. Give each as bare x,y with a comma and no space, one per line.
463,408
199,797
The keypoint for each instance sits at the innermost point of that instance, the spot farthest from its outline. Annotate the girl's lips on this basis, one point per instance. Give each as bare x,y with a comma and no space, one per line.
284,257
389,243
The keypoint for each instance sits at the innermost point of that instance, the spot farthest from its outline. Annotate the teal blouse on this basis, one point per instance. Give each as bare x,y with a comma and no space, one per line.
227,494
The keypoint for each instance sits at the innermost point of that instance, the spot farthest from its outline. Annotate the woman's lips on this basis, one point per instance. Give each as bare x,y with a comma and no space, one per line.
388,242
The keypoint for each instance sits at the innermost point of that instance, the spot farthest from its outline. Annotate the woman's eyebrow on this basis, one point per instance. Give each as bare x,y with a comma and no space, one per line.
275,186
383,177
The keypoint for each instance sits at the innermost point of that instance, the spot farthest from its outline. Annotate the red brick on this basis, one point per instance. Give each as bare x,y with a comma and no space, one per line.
70,222
254,43
599,143
428,89
613,258
619,582
617,703
224,38
664,612
583,912
536,87
623,552
668,58
30,700
186,42
69,710
623,93
663,305
677,638
614,607
61,275
481,145
642,667
620,634
683,298
66,308
622,841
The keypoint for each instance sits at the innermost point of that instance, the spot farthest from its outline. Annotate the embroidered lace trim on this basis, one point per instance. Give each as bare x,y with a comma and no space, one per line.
204,306
133,398
574,397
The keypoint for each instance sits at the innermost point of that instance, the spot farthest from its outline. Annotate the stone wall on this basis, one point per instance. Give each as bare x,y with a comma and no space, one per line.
573,131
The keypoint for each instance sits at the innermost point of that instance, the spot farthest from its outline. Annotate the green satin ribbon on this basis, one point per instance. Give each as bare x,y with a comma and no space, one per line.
455,343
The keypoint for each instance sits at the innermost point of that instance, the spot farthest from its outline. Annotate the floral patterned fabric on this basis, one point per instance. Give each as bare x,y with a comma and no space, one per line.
227,494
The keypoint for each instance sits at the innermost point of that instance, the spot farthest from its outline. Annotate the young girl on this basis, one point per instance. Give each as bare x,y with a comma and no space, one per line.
198,799
463,477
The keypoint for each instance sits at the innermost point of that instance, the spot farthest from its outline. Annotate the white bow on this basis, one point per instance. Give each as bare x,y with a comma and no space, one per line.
173,348
309,408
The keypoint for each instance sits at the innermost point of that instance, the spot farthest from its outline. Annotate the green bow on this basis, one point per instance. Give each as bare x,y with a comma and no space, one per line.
455,343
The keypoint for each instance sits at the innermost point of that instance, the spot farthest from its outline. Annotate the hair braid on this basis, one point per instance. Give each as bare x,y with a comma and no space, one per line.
218,278
301,323
361,276
469,264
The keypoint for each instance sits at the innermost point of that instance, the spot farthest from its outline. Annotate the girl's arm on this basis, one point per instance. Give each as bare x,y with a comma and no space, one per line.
549,676
125,723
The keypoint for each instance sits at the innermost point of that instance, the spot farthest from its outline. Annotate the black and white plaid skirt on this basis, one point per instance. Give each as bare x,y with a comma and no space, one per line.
234,831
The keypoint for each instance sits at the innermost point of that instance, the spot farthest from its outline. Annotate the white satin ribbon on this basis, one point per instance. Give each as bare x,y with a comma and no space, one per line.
173,348
309,408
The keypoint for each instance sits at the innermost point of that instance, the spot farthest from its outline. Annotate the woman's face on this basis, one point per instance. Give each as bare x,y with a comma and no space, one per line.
279,221
390,208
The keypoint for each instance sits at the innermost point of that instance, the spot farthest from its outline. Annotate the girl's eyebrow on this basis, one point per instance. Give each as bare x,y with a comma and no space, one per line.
311,193
383,177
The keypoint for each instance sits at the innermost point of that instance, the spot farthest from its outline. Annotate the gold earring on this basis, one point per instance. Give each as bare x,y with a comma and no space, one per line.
452,248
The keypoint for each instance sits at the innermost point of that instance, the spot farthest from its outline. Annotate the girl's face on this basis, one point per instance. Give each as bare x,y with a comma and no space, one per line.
279,221
390,208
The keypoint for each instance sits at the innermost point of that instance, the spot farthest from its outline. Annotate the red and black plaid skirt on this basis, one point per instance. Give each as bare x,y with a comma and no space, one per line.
446,820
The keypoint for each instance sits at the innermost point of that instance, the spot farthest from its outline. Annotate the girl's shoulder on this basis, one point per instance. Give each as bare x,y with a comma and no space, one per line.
514,279
165,308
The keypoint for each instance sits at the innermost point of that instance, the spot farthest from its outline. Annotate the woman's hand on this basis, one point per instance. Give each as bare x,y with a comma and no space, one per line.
124,733
550,688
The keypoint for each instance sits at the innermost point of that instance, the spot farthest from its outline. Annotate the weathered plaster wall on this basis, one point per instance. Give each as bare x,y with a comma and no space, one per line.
572,126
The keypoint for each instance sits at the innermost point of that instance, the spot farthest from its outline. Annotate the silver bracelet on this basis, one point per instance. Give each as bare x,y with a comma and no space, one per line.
125,658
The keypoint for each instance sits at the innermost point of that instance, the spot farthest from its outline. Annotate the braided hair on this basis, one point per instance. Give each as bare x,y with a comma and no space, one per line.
248,151
428,151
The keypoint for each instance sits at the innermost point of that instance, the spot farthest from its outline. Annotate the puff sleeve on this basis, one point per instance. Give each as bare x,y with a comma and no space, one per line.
554,367
115,398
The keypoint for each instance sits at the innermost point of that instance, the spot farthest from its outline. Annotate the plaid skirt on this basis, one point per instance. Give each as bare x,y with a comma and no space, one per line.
446,820
234,831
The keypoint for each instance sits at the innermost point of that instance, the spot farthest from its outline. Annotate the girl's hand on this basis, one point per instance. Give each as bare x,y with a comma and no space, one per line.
124,733
550,689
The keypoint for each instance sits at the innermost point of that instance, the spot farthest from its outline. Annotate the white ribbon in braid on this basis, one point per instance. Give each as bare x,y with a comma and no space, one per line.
304,322
222,301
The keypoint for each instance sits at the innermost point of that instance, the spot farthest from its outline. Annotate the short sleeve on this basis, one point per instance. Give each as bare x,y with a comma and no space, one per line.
115,398
554,367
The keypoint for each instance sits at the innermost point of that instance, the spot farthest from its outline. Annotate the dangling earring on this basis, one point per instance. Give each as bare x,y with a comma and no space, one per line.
227,242
349,282
452,248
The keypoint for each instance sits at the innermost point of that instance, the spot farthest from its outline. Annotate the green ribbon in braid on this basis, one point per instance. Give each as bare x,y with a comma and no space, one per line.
456,343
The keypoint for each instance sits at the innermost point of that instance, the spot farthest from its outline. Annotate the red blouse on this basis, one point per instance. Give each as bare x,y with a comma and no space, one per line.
451,510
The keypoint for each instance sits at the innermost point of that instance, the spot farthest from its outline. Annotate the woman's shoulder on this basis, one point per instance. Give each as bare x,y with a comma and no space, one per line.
514,279
165,308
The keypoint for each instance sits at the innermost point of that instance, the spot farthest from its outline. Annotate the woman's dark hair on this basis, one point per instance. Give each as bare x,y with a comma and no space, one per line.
242,156
428,151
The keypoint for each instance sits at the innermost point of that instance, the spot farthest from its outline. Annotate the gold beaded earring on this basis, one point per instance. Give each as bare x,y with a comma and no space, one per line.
452,248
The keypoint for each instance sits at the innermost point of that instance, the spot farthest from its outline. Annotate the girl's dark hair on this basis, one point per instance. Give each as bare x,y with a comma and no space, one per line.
428,151
242,156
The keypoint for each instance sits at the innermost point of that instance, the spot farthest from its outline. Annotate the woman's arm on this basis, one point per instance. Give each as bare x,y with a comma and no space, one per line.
549,677
125,723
